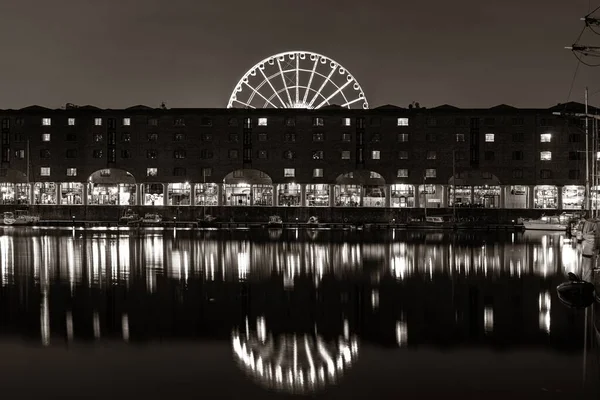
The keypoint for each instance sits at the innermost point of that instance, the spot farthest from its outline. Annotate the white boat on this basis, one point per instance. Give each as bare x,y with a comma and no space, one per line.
547,223
22,217
275,221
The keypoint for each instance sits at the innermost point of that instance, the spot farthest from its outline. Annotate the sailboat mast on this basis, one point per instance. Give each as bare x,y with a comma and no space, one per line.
587,154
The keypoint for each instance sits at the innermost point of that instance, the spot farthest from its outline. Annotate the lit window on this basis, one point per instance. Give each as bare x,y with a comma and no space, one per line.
546,137
402,173
318,173
598,155
262,121
289,172
402,122
126,121
71,121
98,121
318,121
151,171
346,122
45,171
489,137
430,173
431,155
20,154
460,137
71,171
46,121
546,155
376,155
345,155
45,137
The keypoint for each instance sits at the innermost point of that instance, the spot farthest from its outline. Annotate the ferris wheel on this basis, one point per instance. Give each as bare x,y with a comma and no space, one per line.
297,79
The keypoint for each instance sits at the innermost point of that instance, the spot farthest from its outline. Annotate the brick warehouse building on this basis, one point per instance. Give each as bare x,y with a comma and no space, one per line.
385,158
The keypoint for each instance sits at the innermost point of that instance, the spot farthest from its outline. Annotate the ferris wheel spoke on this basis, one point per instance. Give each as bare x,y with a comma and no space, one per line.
285,86
352,102
312,75
260,94
322,86
297,78
334,93
273,89
246,104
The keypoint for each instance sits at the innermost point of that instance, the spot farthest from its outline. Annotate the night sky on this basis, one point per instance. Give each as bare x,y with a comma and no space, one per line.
190,53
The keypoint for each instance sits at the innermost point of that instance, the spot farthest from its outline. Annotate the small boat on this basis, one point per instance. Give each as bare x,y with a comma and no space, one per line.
548,223
22,217
151,219
275,221
313,221
130,217
433,222
208,221
576,293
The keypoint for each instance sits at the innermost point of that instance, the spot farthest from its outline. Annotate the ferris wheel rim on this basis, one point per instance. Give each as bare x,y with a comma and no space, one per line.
297,55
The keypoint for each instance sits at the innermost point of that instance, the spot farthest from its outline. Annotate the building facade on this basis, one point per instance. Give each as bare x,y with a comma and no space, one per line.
386,157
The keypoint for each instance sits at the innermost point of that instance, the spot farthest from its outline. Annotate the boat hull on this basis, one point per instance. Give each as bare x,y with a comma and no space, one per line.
537,226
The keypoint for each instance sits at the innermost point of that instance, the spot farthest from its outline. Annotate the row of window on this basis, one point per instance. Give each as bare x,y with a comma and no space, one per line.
205,121
291,137
318,173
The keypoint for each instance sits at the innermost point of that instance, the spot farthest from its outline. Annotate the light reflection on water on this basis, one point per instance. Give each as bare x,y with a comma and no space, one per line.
311,296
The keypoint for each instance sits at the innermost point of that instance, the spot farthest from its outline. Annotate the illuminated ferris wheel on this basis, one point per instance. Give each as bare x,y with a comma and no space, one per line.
297,79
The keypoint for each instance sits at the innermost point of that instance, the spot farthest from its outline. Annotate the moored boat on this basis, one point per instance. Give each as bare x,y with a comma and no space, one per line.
548,223
21,217
151,219
130,217
208,221
313,221
275,221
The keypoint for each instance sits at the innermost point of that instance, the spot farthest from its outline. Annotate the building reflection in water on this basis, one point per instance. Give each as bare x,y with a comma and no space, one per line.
397,289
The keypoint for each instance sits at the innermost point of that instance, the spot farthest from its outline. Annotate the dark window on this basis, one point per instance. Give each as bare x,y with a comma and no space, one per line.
402,137
403,155
545,174
431,121
179,153
71,137
234,137
5,123
178,137
18,137
517,155
98,137
71,153
263,154
360,123
152,137
233,153
430,137
126,137
263,137
574,174
125,154
517,173
375,122
112,138
151,154
97,154
207,137
290,121
232,122
376,138
206,153
575,155
206,172
346,137
317,155
460,122
289,137
518,137
179,171
206,121
318,121
112,155
153,121
179,122
247,155
546,122
489,121
431,155
489,156
318,137
44,153
518,121
6,154
112,123
19,121
575,138
460,156
289,155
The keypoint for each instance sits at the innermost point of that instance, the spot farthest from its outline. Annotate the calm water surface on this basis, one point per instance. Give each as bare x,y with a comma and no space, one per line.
275,314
